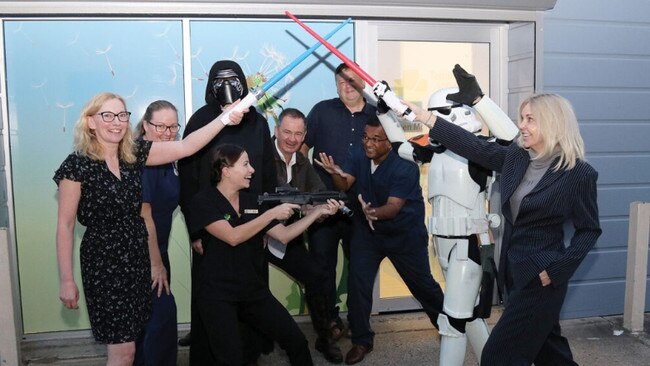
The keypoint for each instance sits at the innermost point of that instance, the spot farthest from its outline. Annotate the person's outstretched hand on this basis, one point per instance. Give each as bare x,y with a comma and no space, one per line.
368,211
328,164
469,92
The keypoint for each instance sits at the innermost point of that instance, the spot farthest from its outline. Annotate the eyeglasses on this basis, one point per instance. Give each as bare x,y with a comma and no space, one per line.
374,140
162,128
108,117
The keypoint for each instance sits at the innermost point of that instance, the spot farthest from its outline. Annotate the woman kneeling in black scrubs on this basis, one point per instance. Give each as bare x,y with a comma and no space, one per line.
231,276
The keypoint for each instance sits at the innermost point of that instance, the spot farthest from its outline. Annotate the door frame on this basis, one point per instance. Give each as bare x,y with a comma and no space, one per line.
368,34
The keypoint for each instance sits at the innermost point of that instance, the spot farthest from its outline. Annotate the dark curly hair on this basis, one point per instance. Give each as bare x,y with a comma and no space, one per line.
225,155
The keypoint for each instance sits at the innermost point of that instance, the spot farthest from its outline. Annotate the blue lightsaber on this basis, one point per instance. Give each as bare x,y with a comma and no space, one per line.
255,95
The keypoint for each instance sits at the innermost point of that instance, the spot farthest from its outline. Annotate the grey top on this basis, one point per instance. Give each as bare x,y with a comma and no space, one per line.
534,173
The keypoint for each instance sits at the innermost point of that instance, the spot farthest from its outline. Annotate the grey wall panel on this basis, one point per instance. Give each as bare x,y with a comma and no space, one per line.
597,72
515,98
521,65
580,37
594,299
615,201
519,36
598,299
601,265
615,137
627,11
605,104
614,234
519,75
623,169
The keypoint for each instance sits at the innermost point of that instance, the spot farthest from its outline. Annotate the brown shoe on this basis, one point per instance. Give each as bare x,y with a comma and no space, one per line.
357,353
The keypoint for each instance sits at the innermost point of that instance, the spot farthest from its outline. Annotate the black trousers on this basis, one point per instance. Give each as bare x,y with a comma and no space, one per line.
266,316
324,238
200,354
303,266
529,329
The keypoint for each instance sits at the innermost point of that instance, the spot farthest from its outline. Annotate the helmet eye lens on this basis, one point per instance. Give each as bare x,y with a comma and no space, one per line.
446,110
442,110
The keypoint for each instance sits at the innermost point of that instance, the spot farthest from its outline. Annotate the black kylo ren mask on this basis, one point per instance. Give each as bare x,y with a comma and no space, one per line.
226,87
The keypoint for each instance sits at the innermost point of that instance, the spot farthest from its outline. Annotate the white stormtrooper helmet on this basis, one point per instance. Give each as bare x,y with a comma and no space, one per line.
458,114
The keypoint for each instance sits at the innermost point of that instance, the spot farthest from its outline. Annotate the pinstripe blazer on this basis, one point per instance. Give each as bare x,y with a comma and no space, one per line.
535,241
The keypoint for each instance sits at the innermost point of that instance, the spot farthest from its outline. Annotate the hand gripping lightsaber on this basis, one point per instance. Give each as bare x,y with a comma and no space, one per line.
255,95
380,88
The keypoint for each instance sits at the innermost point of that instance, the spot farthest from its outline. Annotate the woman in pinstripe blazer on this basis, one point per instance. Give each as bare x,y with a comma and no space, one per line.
545,184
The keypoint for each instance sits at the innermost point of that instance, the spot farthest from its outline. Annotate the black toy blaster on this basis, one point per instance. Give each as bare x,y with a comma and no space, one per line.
288,194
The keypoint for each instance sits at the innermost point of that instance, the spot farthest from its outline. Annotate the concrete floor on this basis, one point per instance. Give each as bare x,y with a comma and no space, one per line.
401,339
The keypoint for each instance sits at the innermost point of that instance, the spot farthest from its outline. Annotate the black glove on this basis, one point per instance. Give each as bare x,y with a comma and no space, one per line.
468,88
382,107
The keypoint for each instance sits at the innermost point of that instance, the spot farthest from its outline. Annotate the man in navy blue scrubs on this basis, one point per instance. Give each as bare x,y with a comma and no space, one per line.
392,226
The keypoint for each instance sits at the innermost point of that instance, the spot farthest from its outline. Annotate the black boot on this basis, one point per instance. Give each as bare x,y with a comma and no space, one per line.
321,319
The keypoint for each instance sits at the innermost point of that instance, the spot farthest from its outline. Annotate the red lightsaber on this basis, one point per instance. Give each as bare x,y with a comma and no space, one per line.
380,88
349,63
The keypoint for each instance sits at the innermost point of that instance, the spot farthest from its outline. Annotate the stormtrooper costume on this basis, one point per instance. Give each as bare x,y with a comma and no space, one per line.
459,223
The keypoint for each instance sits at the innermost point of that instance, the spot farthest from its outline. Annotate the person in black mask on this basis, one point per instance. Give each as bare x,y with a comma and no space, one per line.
226,83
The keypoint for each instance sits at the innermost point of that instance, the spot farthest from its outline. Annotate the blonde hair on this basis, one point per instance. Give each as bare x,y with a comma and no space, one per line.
85,140
558,127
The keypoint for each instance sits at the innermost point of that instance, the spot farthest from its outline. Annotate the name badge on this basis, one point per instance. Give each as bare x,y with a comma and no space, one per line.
251,211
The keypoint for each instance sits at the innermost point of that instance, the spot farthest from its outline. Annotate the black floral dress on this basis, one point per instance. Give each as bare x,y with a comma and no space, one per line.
115,266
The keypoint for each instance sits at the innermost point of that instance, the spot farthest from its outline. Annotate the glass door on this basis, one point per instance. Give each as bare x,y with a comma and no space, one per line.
416,60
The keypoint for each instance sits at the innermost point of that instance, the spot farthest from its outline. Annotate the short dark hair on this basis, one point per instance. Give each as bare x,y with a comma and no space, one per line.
224,156
340,68
373,121
292,112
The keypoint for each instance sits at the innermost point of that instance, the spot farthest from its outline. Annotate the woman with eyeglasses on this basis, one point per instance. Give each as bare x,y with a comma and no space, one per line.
156,346
100,185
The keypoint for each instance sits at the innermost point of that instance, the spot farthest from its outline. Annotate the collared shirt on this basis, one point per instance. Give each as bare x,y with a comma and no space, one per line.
334,130
303,174
288,165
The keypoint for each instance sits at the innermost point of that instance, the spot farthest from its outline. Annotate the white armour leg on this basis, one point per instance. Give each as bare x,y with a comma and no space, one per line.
453,344
477,333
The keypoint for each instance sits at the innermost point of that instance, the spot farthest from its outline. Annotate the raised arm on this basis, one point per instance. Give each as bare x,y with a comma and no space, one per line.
469,93
168,151
460,141
234,236
285,234
69,195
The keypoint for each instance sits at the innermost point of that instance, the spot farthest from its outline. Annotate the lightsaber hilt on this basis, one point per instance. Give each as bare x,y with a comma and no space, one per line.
382,91
252,97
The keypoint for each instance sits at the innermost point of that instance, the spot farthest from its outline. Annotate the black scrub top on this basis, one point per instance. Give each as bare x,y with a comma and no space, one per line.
225,272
